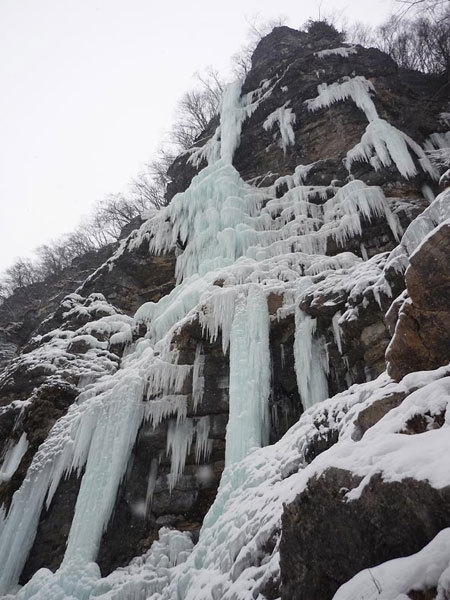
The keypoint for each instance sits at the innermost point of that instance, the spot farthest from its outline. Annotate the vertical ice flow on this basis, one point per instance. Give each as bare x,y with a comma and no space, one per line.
113,439
249,376
310,363
12,457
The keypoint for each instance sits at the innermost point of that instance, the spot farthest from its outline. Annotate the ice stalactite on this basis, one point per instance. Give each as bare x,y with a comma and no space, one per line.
19,526
248,422
198,381
311,361
218,314
382,144
158,409
285,119
202,441
180,436
65,448
165,377
151,483
231,118
179,441
337,330
356,89
109,450
12,457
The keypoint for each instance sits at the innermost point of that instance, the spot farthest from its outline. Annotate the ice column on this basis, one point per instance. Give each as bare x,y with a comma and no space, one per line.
310,362
248,422
231,118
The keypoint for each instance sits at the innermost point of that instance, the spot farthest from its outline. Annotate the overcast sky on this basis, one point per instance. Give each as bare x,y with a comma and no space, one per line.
89,87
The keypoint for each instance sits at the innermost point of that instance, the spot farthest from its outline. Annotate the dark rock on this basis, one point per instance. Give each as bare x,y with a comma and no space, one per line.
376,411
135,278
422,336
30,305
53,530
284,404
326,540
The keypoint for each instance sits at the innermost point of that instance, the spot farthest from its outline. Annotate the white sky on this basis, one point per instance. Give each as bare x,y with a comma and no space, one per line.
88,88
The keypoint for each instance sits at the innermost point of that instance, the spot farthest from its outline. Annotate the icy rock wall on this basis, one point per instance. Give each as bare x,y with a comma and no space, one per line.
243,243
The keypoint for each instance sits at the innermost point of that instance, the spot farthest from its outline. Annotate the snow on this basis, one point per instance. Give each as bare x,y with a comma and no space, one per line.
394,579
225,563
345,52
435,214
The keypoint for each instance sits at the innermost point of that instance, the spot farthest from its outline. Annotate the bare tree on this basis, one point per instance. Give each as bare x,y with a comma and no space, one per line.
420,43
257,29
196,108
421,6
360,33
23,272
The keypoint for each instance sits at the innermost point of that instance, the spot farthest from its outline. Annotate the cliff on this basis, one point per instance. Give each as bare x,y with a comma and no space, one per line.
249,396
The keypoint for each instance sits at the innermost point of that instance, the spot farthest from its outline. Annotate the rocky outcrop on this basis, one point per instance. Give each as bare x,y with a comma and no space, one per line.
23,312
39,386
290,64
328,539
422,333
132,277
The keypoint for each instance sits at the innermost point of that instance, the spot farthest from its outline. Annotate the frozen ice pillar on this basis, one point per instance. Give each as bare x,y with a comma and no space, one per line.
248,423
311,363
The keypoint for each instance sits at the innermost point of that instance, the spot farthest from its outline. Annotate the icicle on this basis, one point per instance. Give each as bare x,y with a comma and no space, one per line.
428,193
158,409
285,119
151,483
357,89
337,330
19,528
389,145
109,451
202,443
248,422
51,461
231,117
218,315
165,377
179,442
209,152
198,381
13,455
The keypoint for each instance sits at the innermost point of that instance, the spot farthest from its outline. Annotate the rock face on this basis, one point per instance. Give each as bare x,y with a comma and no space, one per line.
325,543
332,308
24,311
422,335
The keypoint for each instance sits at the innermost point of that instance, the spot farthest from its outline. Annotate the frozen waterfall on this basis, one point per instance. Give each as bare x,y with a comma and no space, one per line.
241,243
